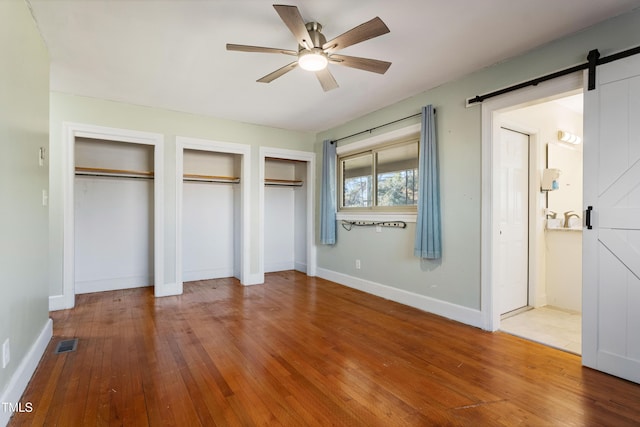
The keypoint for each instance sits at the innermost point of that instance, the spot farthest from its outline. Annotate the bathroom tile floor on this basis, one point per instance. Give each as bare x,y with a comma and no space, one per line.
548,325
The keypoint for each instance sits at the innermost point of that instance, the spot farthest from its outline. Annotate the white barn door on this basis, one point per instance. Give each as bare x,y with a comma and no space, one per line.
611,249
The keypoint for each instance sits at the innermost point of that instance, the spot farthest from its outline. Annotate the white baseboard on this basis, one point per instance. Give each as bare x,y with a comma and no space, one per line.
58,302
446,309
216,273
273,267
21,377
168,289
253,279
541,301
301,267
115,284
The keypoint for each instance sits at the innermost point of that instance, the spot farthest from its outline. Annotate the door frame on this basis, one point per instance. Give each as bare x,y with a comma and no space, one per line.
244,151
489,298
71,131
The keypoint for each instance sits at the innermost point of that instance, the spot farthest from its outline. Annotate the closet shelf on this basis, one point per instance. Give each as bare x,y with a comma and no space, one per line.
124,173
211,178
283,182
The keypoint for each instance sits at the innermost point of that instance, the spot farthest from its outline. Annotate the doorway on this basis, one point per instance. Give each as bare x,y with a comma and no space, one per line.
113,215
72,131
287,205
217,175
491,124
284,212
550,312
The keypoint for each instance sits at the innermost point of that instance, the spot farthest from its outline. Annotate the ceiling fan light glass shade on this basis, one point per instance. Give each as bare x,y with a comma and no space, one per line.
313,60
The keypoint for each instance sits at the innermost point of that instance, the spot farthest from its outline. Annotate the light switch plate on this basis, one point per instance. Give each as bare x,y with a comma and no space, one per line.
6,353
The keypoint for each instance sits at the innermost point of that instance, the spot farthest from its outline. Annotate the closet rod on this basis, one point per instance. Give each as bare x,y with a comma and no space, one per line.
283,182
218,181
113,173
285,160
377,127
191,177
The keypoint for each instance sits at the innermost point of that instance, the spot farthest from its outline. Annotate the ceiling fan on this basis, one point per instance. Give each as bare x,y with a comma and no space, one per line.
315,52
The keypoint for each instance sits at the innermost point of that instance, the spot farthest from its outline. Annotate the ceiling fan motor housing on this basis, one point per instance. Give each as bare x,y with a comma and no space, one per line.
317,38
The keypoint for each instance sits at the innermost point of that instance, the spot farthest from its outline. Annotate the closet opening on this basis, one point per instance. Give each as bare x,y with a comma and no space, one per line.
114,215
286,198
212,211
113,196
210,215
285,209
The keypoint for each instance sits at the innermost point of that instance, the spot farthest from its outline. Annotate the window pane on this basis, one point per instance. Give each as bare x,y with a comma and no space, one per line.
397,170
357,189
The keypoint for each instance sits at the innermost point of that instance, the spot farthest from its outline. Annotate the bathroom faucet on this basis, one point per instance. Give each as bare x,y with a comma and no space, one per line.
568,215
551,214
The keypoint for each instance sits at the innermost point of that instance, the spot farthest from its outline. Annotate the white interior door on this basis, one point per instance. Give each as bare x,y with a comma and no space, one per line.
512,220
611,249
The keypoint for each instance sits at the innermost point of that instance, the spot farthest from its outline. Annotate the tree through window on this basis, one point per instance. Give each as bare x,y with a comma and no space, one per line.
395,167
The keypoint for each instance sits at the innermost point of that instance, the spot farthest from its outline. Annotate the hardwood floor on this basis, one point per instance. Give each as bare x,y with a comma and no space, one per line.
303,351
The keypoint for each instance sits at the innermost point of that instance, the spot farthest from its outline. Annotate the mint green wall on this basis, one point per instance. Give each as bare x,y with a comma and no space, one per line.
387,257
92,111
24,115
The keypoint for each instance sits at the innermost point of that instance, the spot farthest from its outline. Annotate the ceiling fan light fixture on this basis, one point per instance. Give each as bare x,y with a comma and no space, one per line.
312,60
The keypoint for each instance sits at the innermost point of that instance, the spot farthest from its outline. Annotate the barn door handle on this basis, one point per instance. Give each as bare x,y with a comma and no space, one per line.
588,217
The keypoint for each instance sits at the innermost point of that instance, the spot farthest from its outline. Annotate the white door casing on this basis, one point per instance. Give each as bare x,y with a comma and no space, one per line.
243,245
611,249
512,225
69,133
490,301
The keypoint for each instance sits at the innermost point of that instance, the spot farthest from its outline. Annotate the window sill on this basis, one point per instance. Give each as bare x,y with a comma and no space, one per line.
376,216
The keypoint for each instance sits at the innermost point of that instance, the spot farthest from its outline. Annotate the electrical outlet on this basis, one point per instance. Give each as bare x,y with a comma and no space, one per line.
6,353
45,197
357,264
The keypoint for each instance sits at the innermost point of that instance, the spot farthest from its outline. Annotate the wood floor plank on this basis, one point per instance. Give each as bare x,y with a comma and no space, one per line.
303,351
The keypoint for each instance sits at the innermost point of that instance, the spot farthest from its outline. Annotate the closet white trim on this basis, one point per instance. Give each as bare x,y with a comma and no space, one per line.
71,131
244,151
303,156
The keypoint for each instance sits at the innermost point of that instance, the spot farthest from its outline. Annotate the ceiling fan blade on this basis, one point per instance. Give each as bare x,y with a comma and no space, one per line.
366,64
362,32
326,79
290,15
278,73
246,48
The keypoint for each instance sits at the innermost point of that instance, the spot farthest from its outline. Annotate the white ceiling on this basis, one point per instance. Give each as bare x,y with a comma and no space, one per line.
171,53
574,103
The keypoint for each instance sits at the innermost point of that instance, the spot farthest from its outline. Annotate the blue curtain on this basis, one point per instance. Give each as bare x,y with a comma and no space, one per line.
328,197
428,244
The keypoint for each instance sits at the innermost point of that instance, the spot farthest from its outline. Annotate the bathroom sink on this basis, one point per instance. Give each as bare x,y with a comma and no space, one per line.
575,223
553,223
558,224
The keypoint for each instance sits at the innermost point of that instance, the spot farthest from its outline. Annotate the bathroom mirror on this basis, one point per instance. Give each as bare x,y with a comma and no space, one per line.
568,159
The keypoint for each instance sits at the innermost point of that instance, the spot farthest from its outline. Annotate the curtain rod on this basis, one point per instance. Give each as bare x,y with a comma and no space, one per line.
378,127
593,60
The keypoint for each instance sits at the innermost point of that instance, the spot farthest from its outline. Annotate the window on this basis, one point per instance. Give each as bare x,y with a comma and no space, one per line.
395,187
